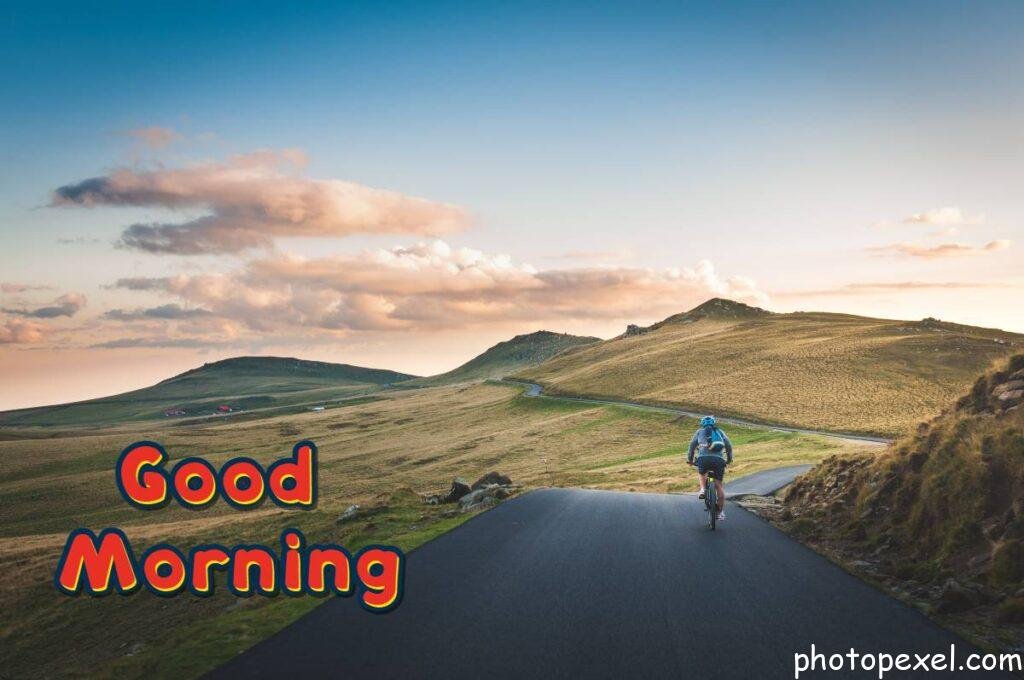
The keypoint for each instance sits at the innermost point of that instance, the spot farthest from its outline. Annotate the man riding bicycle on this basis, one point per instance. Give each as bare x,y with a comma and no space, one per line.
715,452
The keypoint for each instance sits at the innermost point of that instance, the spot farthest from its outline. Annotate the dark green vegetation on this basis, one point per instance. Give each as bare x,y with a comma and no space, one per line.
946,502
815,370
507,357
268,385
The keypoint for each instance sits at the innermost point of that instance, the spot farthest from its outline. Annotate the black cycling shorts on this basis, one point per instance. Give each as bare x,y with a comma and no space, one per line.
711,464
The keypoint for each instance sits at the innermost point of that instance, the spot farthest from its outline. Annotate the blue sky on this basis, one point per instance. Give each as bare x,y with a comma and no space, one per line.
787,143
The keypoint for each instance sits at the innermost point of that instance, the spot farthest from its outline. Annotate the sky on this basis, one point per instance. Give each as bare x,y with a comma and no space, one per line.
402,185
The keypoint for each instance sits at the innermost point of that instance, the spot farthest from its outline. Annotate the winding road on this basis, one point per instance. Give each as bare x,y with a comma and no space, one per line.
574,583
535,390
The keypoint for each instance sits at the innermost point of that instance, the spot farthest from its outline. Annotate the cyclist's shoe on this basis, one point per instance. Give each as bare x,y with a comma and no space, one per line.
702,494
721,516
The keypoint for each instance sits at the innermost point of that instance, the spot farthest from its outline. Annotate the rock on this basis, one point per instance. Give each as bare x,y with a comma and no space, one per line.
491,493
1008,386
633,329
491,478
1010,397
350,513
955,598
459,489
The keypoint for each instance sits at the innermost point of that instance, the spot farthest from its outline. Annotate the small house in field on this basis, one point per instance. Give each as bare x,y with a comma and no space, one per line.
223,409
174,412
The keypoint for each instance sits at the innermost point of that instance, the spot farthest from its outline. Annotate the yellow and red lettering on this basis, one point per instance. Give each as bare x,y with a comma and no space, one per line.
106,561
319,560
380,570
292,480
140,477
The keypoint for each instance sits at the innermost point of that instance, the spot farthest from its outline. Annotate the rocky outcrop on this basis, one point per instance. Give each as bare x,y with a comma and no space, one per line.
632,329
488,489
491,478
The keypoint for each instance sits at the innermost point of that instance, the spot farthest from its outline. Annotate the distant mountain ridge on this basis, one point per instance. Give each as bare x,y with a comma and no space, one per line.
240,383
509,356
817,370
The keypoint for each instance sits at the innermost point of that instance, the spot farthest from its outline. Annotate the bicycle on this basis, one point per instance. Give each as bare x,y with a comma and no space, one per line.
711,501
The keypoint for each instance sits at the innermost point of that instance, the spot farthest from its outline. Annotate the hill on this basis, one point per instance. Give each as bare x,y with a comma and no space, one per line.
945,502
807,369
240,384
507,357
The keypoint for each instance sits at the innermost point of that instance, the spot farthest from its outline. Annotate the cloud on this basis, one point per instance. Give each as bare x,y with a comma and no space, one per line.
887,287
155,137
593,255
252,199
169,311
434,286
947,216
187,343
77,241
66,305
942,250
21,287
20,331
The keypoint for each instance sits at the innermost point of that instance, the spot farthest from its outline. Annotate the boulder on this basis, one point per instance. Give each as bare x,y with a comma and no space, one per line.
1010,397
351,512
459,489
956,598
492,493
491,478
1008,386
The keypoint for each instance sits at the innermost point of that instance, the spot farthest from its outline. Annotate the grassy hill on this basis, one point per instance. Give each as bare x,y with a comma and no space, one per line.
810,369
945,502
374,454
241,383
507,357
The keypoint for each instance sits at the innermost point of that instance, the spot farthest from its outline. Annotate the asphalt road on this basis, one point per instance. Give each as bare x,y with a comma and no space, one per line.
535,390
572,583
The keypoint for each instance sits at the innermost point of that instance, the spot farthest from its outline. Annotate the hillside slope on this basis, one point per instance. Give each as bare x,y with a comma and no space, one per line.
817,370
240,383
945,502
507,357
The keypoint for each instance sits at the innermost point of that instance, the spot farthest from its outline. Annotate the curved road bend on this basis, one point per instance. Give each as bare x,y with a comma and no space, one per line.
535,390
574,583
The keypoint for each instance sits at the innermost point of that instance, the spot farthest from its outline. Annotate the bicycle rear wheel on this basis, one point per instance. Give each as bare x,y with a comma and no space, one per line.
711,501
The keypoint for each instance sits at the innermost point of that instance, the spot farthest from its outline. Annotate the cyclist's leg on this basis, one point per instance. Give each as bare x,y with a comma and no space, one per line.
721,494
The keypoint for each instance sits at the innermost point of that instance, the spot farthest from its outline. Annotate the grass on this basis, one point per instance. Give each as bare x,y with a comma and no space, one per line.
507,357
813,370
374,453
944,502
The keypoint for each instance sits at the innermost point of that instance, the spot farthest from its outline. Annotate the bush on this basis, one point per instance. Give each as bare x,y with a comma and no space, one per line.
1008,564
1011,611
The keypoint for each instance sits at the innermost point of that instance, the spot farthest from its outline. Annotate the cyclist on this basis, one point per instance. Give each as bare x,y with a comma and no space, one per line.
714,452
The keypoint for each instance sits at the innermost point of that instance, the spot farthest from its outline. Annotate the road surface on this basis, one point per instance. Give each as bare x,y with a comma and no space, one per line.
573,583
535,390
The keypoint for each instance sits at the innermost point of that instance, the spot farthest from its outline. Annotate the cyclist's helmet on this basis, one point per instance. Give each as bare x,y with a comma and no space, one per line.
707,421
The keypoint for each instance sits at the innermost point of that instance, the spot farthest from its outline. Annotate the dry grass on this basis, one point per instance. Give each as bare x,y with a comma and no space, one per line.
820,371
415,440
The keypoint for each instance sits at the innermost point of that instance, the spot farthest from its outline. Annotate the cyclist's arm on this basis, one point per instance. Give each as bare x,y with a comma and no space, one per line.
693,447
728,449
